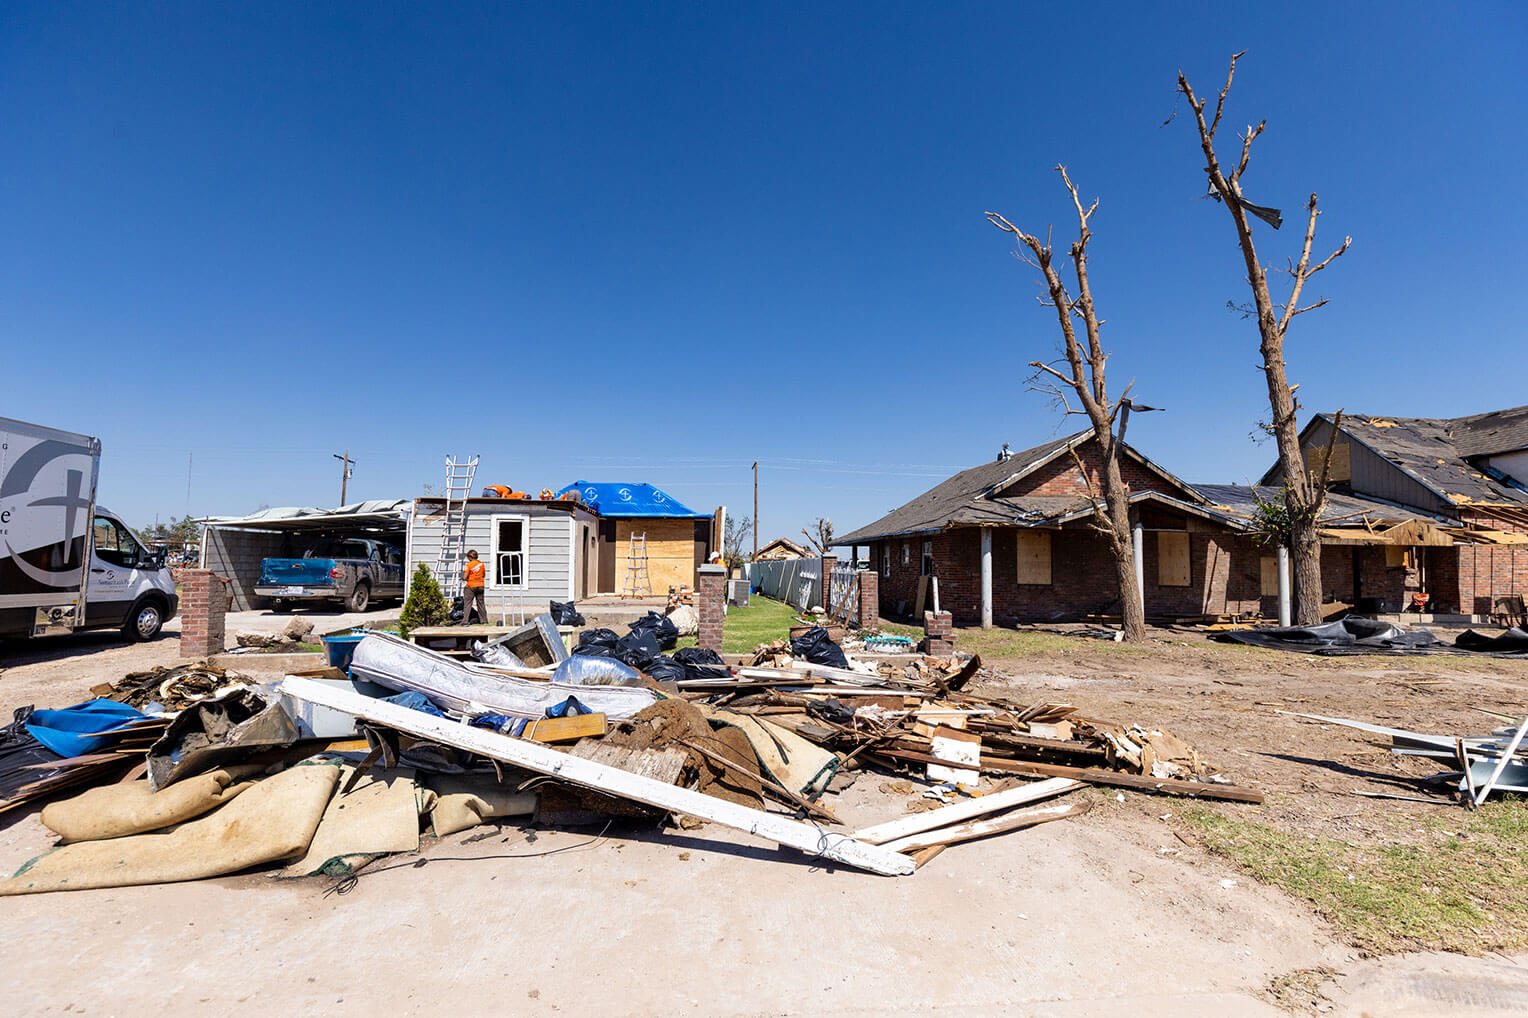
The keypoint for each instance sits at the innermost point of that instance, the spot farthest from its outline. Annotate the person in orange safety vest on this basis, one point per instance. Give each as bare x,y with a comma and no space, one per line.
473,576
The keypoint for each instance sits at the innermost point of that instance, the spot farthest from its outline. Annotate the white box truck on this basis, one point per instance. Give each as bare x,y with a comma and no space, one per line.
66,563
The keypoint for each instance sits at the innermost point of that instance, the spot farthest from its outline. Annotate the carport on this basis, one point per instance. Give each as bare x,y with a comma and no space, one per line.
234,546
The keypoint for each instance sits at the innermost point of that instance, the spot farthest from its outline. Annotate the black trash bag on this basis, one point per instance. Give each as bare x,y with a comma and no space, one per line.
458,611
701,663
661,626
597,643
818,647
666,669
638,648
565,613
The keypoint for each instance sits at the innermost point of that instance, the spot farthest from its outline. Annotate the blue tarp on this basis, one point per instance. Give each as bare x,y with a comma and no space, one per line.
612,499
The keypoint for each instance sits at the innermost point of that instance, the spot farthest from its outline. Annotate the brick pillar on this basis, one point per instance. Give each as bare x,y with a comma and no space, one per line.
867,614
828,563
710,605
940,632
203,603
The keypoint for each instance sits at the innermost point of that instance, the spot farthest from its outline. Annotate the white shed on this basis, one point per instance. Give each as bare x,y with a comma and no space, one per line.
535,550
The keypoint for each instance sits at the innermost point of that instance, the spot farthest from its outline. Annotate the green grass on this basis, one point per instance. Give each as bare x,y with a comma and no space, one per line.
761,621
1458,883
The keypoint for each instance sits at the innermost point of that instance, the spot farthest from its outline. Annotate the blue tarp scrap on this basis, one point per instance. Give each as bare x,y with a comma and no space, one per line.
639,500
83,728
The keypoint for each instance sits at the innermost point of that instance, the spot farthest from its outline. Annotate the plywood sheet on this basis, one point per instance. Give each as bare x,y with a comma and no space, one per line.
1269,568
670,551
1172,558
1034,556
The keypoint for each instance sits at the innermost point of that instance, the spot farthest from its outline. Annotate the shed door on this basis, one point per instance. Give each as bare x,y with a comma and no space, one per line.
606,574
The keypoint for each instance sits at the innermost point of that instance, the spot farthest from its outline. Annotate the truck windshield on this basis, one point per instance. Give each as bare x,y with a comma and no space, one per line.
339,549
115,545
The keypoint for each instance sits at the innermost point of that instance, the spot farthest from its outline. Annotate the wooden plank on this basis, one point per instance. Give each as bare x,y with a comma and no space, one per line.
1034,556
922,597
1173,569
916,823
1094,776
961,750
808,838
569,729
982,828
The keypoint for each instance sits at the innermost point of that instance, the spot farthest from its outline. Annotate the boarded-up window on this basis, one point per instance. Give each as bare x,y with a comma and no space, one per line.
1172,558
1342,461
1034,556
1270,577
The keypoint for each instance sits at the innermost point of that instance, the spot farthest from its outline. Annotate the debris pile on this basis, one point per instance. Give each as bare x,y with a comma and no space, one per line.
430,740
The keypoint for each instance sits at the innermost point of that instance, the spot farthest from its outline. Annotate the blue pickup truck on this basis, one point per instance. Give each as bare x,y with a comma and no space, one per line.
353,572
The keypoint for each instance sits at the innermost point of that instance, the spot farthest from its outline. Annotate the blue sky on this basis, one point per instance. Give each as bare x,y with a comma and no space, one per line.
658,242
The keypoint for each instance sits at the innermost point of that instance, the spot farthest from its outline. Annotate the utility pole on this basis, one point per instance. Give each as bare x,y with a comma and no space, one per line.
345,474
755,508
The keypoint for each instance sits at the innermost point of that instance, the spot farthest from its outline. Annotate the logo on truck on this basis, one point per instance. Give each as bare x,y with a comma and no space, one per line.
18,481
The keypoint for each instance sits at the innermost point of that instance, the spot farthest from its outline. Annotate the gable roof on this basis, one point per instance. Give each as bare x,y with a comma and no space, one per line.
971,498
1435,452
784,544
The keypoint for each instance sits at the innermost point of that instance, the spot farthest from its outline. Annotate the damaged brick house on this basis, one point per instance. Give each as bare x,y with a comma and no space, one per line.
1012,540
1467,476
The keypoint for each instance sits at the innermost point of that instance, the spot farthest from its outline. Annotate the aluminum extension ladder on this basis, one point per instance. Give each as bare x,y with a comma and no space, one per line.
453,532
637,582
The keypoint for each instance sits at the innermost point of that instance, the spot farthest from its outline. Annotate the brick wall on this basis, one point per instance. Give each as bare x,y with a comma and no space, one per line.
1487,573
710,605
203,603
1061,477
867,614
939,630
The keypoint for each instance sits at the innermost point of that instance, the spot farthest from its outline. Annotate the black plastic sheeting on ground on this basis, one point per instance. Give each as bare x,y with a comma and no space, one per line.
20,749
1354,635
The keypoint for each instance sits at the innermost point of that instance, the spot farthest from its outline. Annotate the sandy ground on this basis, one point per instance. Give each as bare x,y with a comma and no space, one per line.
1061,920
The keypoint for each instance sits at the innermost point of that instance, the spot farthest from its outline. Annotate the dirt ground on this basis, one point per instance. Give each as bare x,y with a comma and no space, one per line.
1113,910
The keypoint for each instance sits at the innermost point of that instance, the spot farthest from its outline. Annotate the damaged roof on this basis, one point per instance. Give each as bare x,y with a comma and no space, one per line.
1240,500
969,498
1437,452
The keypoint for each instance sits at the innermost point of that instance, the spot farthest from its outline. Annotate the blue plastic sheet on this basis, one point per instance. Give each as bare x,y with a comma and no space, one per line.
615,500
81,729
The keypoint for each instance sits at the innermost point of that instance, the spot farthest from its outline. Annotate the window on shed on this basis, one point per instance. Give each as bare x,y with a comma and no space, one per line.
509,553
1172,558
1035,556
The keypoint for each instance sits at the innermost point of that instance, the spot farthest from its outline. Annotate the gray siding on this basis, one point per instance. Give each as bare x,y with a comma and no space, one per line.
548,563
1374,475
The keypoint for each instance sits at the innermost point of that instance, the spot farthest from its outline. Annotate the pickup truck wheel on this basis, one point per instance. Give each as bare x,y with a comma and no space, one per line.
359,598
278,605
144,621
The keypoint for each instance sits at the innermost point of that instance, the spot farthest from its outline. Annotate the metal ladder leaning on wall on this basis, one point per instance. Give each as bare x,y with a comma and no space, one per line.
637,582
453,531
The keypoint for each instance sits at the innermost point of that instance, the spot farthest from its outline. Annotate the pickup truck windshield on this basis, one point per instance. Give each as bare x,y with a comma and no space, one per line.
339,549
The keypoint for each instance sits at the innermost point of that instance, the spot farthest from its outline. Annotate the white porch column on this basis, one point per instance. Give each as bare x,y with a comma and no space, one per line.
1284,586
1138,539
986,577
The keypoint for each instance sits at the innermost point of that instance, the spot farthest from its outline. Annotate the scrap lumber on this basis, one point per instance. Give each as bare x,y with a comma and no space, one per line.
1096,776
959,812
532,756
981,828
566,729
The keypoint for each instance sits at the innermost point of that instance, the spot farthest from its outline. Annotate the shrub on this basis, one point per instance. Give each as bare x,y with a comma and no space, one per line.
426,605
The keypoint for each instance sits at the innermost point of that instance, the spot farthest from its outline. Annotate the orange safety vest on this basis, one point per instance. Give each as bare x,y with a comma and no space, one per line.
474,573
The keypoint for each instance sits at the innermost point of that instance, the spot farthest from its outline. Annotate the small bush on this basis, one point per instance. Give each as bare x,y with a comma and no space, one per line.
426,605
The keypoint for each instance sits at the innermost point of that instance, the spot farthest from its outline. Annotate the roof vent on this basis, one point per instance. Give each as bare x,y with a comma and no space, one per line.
1004,455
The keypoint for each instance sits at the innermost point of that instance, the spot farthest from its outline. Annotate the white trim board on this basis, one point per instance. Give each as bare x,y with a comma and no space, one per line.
809,838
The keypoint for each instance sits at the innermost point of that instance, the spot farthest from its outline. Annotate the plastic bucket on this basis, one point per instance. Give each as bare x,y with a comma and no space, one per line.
340,648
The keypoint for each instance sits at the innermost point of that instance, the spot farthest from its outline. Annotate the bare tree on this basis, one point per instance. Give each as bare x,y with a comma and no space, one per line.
823,539
1304,496
736,532
1083,377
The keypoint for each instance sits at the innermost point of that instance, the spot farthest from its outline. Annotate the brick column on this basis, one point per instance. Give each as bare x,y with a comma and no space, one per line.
710,605
940,632
203,603
867,614
828,563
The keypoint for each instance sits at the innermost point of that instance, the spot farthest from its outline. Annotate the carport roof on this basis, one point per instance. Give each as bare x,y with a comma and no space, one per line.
376,513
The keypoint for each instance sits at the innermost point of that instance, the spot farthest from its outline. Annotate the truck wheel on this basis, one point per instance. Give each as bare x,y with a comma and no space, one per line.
278,605
359,598
144,621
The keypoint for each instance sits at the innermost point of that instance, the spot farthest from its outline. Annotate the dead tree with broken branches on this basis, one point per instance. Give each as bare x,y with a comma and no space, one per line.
1083,378
1304,495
